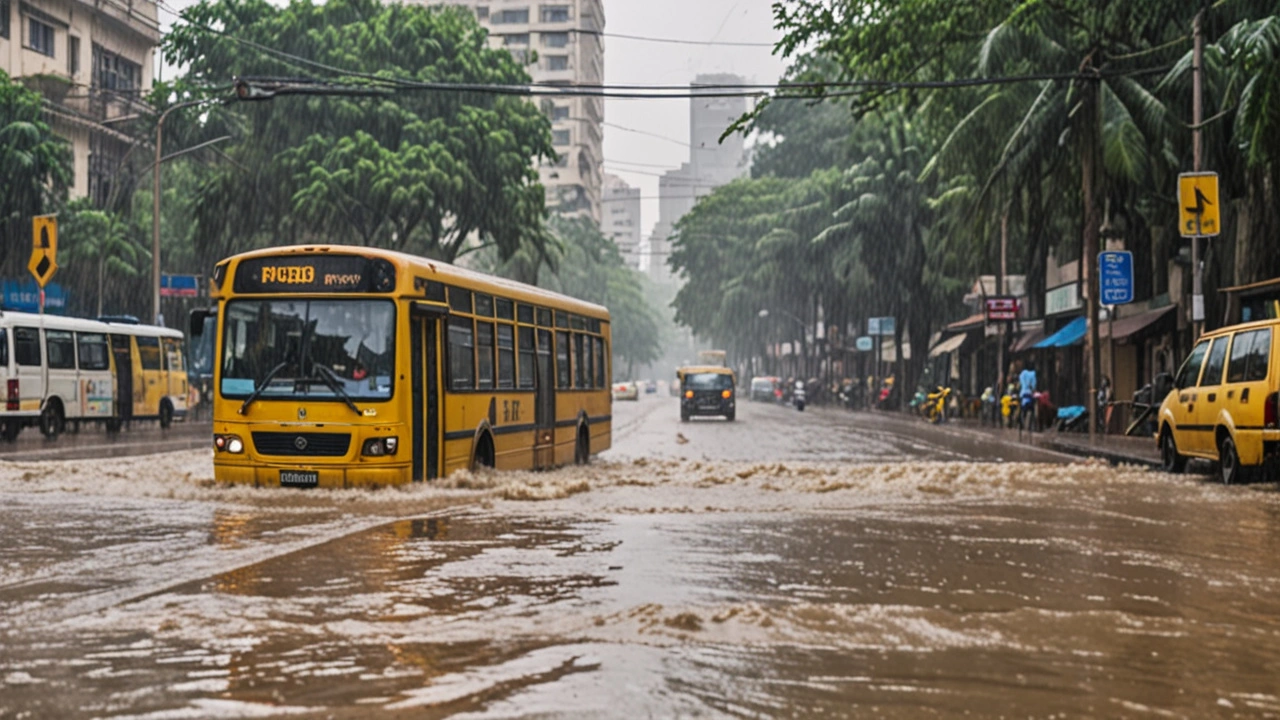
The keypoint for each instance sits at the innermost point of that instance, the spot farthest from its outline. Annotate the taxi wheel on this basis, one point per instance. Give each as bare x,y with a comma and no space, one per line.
1229,469
1170,460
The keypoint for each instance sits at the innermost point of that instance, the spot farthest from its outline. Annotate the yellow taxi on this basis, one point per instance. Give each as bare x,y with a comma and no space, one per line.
707,390
1223,405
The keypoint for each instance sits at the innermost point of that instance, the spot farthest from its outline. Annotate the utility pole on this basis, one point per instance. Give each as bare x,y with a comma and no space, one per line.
1197,116
1092,179
1004,270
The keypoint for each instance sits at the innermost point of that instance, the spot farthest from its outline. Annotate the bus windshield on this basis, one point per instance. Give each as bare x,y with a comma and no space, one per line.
302,348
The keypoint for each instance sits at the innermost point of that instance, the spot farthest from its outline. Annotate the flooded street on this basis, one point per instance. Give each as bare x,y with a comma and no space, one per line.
785,565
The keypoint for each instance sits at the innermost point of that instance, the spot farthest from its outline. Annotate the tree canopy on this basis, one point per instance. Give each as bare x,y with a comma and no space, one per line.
37,171
414,170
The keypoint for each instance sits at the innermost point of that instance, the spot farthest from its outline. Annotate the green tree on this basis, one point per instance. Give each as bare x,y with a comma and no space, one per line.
36,175
415,170
101,250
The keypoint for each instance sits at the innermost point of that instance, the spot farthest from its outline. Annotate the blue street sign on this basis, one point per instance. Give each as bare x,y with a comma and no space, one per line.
863,344
1115,277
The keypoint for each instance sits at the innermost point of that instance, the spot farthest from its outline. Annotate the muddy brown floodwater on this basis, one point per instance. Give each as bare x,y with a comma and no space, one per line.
775,567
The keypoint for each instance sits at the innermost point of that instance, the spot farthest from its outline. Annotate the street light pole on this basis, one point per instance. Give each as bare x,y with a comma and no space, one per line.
155,209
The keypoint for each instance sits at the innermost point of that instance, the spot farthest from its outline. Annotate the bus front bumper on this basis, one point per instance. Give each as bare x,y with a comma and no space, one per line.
276,474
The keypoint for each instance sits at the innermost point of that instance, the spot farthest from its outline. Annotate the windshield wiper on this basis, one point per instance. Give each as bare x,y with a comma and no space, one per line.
258,390
331,379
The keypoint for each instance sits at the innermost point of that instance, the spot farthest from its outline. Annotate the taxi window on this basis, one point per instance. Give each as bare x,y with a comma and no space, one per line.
1190,369
1216,362
1239,357
1259,356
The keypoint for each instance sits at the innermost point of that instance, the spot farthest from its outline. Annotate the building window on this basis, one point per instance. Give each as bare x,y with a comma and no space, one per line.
517,39
559,137
482,12
558,62
73,55
112,72
4,18
512,16
40,37
555,39
555,13
560,112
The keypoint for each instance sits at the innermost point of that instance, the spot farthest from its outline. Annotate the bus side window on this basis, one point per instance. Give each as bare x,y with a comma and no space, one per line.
563,379
599,347
461,354
149,352
26,348
526,350
4,348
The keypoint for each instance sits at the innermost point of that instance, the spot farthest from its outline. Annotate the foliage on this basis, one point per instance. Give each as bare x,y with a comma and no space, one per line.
581,262
419,171
107,257
36,175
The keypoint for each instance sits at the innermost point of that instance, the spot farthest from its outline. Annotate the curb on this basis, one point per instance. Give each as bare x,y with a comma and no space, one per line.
1111,455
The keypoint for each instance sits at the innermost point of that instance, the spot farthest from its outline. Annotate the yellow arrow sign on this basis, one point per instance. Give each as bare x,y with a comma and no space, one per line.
44,248
1198,211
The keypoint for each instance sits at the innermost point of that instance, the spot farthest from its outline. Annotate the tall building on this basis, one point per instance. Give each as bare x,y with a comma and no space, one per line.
712,163
566,36
620,209
92,62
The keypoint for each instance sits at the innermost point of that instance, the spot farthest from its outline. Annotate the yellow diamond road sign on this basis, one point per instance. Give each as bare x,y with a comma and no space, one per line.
44,248
1198,211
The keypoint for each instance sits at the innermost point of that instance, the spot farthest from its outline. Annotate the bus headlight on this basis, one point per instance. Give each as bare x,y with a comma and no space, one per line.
228,443
377,447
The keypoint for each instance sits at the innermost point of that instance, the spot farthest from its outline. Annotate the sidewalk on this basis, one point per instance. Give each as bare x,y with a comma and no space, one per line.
1115,449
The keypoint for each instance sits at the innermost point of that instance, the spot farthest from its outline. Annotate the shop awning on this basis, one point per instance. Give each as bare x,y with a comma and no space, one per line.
1070,334
973,322
1124,327
1028,340
951,344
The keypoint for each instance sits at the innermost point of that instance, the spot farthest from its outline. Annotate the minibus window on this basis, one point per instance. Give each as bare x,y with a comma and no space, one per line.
62,350
26,342
92,348
149,352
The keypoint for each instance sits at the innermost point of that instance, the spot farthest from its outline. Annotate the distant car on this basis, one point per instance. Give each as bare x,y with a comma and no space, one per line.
762,389
650,387
626,390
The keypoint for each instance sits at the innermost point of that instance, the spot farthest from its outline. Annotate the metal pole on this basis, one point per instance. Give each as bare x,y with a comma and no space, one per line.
1197,65
155,224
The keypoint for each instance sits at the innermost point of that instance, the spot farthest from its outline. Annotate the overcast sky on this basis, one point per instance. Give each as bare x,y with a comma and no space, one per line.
645,62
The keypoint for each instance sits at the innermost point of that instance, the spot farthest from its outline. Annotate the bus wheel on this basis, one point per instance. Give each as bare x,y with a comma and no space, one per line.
484,453
166,414
51,421
582,449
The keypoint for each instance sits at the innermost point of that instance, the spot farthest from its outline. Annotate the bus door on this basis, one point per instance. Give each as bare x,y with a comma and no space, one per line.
544,436
122,351
425,382
149,387
29,367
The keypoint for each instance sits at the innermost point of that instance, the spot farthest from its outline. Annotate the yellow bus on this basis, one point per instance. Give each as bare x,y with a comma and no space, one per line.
340,366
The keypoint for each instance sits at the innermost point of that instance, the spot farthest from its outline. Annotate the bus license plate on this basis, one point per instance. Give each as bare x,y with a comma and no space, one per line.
299,478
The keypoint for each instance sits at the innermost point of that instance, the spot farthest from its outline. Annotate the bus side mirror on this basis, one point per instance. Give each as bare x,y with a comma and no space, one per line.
196,321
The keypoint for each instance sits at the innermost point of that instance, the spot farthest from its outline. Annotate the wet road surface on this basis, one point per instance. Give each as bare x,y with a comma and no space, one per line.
786,565
92,441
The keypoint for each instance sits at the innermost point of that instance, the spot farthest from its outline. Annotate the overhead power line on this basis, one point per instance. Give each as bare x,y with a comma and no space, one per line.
778,91
673,41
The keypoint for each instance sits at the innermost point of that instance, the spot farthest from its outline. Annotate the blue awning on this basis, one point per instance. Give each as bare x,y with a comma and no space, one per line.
1070,334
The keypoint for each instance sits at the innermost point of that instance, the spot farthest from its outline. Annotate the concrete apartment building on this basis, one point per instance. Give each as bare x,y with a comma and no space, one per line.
711,164
620,210
564,37
92,62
